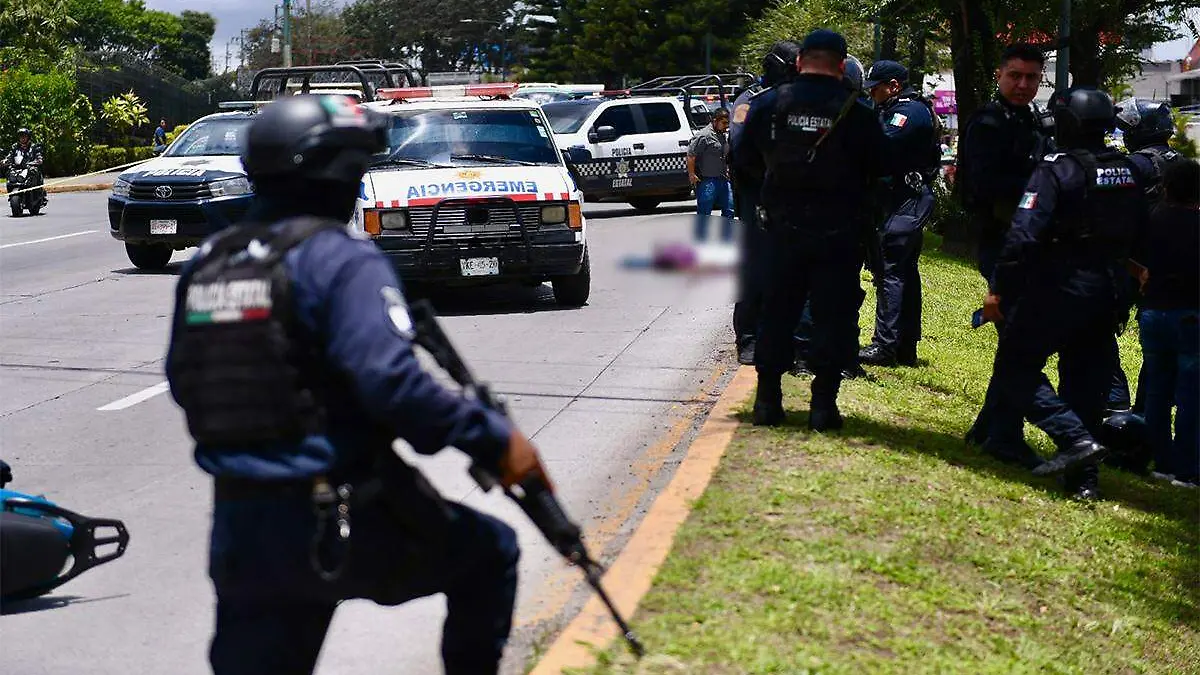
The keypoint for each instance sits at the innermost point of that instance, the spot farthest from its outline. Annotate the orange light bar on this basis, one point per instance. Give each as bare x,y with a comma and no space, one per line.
614,92
371,224
504,89
575,216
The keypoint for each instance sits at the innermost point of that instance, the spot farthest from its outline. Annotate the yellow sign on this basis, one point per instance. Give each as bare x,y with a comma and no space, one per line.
470,174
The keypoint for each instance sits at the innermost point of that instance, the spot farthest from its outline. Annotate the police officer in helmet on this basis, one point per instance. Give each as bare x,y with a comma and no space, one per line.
747,172
822,149
291,356
1147,129
912,130
1056,285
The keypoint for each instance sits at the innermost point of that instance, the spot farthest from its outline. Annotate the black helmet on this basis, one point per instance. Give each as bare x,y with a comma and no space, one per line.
1082,114
1124,434
854,73
24,131
1144,122
779,65
314,138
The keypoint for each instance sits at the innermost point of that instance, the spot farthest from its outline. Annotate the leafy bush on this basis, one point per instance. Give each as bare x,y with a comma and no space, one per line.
105,157
124,113
139,153
51,106
1181,142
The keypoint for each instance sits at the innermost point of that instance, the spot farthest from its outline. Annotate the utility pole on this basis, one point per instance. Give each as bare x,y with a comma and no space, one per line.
708,38
287,33
1062,66
308,19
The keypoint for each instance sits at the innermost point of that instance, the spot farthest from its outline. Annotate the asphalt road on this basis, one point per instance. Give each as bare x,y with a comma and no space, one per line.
606,391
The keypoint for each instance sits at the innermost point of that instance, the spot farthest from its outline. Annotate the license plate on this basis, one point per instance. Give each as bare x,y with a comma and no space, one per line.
164,226
479,267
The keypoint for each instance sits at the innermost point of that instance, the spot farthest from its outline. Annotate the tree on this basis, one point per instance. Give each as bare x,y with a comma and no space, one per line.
192,57
36,34
318,37
124,113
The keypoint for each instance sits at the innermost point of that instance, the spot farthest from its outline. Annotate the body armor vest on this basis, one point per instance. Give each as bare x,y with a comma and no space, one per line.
1098,224
241,369
1161,157
809,150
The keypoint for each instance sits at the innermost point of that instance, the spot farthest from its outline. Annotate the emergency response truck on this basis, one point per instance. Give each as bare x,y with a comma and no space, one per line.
631,145
471,189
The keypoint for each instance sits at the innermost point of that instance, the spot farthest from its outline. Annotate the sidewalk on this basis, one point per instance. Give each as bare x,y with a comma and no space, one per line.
102,181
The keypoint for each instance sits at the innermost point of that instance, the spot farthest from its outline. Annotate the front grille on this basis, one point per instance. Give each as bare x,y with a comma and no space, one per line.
452,221
179,191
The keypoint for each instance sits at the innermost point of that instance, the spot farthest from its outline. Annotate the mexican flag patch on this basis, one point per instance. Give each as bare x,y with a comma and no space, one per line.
898,120
1028,200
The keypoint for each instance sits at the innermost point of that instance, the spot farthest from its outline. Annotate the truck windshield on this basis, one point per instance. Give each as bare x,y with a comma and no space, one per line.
567,116
456,137
222,136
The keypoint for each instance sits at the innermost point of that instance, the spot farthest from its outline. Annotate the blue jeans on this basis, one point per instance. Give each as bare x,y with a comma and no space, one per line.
1170,347
714,193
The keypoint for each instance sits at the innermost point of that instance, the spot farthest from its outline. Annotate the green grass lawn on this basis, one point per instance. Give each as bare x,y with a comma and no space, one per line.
892,547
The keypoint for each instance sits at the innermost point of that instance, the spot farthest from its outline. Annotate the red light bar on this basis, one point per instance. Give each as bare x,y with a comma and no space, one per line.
501,89
614,92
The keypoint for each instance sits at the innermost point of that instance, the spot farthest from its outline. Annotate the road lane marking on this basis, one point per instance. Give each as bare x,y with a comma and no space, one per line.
42,241
134,399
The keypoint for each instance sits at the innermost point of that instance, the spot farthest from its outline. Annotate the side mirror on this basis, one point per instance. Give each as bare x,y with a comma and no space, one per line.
602,134
576,154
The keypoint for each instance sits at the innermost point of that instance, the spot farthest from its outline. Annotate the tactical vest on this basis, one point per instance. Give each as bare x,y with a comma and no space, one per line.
240,367
933,159
1024,140
1098,224
809,149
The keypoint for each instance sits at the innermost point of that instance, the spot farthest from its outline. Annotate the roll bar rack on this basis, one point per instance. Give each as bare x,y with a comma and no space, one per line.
682,85
305,74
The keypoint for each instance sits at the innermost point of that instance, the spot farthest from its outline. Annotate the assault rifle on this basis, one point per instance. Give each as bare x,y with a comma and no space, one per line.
533,495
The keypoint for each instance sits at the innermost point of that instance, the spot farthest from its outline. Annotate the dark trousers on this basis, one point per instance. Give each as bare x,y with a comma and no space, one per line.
1171,378
822,270
752,269
1077,327
273,609
898,297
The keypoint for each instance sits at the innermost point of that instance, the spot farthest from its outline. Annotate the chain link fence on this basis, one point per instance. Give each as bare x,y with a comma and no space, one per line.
101,75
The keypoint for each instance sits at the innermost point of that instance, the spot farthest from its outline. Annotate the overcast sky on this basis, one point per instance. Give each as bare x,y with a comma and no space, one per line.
234,15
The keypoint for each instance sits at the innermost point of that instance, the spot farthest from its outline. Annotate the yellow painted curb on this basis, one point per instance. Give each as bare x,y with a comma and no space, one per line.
629,577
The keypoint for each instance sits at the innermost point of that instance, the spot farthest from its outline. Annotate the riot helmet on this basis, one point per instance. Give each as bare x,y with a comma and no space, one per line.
1082,115
306,154
1125,435
1144,123
779,65
854,73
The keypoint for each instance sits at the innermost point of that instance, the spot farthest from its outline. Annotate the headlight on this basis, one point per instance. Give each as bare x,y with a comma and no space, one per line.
231,187
394,220
121,188
554,215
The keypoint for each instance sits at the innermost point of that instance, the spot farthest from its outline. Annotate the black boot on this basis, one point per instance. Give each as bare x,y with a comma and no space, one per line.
768,401
745,347
1083,452
877,355
907,356
1083,483
823,414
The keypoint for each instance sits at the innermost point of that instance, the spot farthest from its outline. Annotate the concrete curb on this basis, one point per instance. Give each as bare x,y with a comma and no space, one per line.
80,187
630,576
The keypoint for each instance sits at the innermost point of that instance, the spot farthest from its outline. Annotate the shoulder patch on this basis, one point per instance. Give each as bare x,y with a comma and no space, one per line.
740,112
397,311
1028,200
898,120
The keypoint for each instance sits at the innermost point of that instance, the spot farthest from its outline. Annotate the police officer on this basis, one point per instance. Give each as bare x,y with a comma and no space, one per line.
1147,128
911,128
822,149
747,171
291,356
1057,277
999,147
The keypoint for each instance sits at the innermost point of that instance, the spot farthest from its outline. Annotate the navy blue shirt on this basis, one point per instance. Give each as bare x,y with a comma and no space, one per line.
1054,194
908,125
348,297
745,163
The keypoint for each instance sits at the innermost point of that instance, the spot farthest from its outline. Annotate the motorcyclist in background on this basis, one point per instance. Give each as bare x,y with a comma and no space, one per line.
26,153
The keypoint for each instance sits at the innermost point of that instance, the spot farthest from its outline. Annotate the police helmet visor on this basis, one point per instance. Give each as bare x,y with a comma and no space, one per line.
320,137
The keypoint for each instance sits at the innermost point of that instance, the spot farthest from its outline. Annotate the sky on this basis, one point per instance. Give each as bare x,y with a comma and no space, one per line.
234,15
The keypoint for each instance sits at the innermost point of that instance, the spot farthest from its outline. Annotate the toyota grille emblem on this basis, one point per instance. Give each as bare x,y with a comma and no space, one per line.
163,192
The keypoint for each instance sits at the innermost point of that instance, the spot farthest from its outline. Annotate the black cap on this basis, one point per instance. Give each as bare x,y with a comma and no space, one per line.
825,40
885,71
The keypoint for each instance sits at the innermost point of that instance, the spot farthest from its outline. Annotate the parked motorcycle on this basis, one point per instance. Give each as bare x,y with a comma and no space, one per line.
22,175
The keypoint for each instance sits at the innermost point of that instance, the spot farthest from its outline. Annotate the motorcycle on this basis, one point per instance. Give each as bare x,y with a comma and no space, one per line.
21,176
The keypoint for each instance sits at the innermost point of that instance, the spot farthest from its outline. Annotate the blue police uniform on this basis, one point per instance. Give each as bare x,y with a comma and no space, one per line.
1057,275
909,126
273,608
822,149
